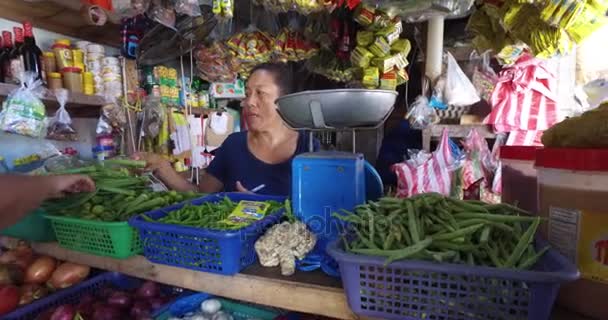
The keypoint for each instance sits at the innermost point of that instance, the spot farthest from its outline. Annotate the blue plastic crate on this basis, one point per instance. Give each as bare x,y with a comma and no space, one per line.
72,295
215,251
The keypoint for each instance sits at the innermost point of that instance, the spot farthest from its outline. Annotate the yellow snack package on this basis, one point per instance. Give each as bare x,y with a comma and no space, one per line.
365,38
388,80
371,77
586,23
402,76
402,46
361,57
364,15
380,47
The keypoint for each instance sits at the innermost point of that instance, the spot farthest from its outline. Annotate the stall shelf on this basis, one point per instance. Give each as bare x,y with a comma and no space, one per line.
312,292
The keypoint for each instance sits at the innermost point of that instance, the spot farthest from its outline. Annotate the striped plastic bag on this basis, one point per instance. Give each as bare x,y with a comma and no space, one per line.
428,172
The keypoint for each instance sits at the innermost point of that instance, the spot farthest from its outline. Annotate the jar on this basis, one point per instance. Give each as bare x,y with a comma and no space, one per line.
54,80
572,193
78,56
95,48
48,62
63,53
72,79
519,176
88,83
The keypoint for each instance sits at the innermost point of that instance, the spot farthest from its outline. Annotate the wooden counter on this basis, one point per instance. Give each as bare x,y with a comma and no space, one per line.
313,292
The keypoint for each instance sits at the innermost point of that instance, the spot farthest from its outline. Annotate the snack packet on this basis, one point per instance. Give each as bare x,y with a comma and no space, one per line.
60,126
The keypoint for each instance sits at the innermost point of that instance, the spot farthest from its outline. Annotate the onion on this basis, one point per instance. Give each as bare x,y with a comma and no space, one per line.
107,312
85,306
148,290
68,274
140,309
10,274
40,270
64,312
119,299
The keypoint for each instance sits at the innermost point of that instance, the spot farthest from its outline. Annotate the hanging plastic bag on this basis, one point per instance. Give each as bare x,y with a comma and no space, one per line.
426,172
421,115
153,117
459,91
484,77
23,112
60,126
162,12
188,7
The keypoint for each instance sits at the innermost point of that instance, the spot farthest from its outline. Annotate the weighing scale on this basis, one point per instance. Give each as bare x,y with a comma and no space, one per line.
326,182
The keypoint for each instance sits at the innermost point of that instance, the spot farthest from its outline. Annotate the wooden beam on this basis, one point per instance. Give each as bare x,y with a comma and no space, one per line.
54,17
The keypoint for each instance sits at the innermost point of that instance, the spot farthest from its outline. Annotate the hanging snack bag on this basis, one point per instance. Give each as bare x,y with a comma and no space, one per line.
23,112
60,126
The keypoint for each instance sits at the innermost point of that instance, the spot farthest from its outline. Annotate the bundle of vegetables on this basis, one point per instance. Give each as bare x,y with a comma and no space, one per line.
25,277
110,303
436,228
209,215
119,195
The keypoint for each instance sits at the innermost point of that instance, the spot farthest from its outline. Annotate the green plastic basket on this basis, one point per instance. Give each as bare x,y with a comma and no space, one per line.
111,239
33,227
244,311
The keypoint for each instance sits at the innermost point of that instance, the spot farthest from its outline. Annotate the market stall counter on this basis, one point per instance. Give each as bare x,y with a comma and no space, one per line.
309,292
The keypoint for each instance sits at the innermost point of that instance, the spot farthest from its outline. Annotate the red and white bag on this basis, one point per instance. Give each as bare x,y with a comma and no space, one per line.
524,101
427,172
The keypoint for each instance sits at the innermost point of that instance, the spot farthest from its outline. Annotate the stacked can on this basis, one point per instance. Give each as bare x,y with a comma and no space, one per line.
94,56
112,79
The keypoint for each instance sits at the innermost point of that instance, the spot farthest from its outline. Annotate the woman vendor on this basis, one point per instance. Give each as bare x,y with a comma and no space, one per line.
259,158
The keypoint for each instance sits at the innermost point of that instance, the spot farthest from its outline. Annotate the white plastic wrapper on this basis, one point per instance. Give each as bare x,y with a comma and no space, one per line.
422,115
188,7
459,91
23,112
60,126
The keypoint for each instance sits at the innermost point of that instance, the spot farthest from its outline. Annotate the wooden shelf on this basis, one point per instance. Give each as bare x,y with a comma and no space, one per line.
79,104
61,16
311,292
454,131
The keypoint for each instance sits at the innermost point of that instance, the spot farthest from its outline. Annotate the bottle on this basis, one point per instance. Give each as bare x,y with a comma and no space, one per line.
30,53
16,61
5,61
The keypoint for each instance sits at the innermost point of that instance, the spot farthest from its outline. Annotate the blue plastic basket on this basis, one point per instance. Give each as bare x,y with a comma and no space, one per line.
215,251
72,295
426,290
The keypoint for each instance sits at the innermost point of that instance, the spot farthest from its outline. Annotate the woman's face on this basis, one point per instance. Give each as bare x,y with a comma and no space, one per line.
261,94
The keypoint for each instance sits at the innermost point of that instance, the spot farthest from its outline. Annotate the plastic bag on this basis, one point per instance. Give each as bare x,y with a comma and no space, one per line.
60,126
484,77
421,115
459,91
162,12
153,117
428,172
188,7
130,8
23,112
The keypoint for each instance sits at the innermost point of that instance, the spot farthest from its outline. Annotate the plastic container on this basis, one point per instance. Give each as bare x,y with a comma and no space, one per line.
72,79
239,310
411,290
63,53
215,251
54,80
78,56
111,239
72,295
519,176
95,48
49,62
32,227
573,193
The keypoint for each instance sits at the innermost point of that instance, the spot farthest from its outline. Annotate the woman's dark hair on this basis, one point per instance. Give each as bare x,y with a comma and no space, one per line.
282,74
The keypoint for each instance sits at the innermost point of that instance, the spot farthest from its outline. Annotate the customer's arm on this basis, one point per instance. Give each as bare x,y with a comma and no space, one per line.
19,195
163,170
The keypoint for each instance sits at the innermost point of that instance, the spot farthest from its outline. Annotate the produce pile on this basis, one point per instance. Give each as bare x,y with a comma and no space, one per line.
211,309
436,228
210,215
120,194
25,277
109,303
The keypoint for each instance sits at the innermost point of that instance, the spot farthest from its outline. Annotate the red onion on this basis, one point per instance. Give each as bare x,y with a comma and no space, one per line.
148,290
119,299
63,312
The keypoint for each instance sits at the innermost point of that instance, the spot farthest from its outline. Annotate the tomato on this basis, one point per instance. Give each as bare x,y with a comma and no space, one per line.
9,299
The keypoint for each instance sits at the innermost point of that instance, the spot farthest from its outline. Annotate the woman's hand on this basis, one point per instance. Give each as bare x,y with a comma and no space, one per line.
241,188
154,162
60,185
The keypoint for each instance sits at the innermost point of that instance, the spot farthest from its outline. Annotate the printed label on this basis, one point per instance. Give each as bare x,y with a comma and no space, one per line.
582,236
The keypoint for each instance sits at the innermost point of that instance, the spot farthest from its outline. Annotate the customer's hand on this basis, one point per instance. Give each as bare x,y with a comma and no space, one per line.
154,162
241,188
60,185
